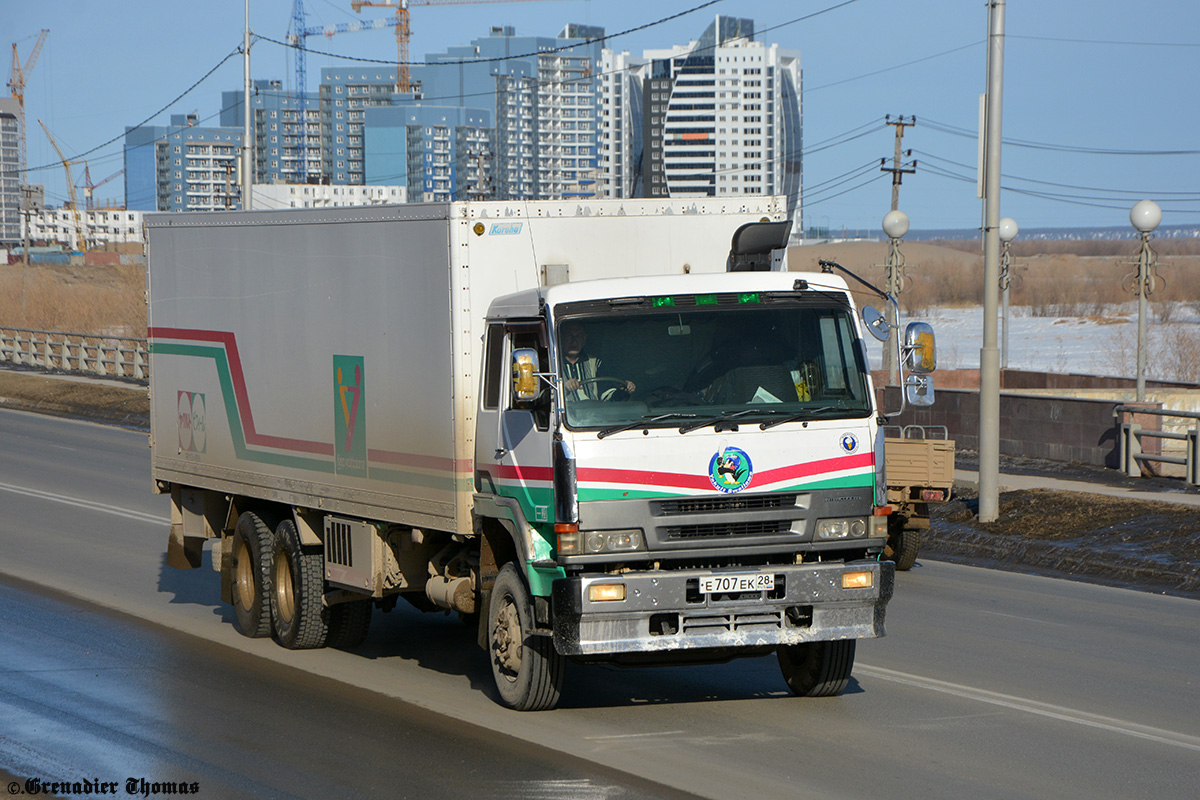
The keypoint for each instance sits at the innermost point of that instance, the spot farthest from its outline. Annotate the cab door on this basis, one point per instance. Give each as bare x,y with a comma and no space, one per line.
513,443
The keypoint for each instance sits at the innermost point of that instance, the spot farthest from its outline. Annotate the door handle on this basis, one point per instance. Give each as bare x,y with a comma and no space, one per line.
501,452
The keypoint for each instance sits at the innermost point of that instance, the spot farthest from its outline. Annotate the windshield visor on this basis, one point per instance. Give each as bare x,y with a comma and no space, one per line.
748,362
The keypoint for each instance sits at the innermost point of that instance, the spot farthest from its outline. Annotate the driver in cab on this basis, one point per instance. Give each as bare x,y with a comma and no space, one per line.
581,372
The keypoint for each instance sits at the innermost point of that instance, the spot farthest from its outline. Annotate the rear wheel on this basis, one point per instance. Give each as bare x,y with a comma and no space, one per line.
251,565
817,669
527,669
297,596
904,546
348,624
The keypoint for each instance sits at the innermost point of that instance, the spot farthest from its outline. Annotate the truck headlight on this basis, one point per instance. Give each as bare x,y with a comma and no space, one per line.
623,541
848,528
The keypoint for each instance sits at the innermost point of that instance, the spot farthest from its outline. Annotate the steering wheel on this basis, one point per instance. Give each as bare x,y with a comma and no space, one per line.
614,381
619,392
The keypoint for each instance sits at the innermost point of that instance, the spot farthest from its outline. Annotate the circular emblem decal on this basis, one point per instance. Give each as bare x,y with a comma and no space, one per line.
849,442
730,470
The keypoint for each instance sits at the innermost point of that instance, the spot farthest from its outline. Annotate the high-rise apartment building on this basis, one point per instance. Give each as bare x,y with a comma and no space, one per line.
438,153
183,166
721,117
287,132
345,96
619,165
11,174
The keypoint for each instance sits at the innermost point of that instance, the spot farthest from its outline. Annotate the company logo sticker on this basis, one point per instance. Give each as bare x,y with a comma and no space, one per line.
349,416
505,228
730,470
193,437
849,442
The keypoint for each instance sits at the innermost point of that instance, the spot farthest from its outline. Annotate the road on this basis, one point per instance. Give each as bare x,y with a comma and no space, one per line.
989,684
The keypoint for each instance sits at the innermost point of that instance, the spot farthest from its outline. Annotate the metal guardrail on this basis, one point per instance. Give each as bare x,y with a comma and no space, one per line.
1131,455
85,354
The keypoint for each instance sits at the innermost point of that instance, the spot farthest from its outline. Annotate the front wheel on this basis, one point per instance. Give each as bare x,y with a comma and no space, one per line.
527,669
817,669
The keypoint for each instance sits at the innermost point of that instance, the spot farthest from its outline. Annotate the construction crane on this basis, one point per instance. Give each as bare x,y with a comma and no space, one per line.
404,31
79,240
299,31
16,83
90,188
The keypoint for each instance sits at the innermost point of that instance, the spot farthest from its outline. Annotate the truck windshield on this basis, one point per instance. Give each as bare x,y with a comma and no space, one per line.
710,364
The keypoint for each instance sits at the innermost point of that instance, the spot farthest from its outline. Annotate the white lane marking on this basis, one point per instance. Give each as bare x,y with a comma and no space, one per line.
611,737
88,504
1027,619
1036,707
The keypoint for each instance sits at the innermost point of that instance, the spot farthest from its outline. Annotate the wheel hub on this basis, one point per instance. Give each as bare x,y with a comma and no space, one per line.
508,639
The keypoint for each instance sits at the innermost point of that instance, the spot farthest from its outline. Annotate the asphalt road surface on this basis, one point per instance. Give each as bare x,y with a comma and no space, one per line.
989,684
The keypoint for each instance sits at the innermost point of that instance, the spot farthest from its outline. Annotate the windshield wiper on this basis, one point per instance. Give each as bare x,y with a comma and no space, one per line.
645,420
805,414
722,417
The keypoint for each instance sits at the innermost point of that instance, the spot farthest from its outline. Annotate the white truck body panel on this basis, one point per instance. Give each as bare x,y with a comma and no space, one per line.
328,358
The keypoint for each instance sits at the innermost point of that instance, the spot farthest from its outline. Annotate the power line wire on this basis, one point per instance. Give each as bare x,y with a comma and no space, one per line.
493,59
896,66
118,137
955,130
1102,41
1133,192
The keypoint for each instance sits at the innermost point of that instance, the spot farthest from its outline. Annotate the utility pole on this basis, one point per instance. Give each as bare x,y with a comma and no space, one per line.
989,353
27,202
247,138
897,169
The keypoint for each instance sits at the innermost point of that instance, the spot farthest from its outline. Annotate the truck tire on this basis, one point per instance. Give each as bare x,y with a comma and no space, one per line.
817,669
904,548
298,609
527,669
251,584
348,624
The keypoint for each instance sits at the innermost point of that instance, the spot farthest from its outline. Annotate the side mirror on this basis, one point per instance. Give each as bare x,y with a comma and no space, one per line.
876,323
525,384
920,351
918,390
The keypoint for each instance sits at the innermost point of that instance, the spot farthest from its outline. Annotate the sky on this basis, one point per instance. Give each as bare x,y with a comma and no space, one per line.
1099,98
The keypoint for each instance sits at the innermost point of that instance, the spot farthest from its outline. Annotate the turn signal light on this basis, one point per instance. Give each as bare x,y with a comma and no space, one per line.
858,580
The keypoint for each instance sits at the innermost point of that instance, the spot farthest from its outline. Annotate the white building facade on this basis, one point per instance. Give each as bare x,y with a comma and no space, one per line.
97,228
722,117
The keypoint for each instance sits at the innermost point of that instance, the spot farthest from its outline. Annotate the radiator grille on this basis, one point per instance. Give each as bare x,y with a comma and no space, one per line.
725,529
718,505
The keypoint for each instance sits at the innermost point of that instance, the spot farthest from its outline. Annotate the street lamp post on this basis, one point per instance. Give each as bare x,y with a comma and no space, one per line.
1145,216
1008,232
895,225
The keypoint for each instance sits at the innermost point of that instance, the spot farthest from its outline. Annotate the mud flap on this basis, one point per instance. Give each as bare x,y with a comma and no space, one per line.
183,552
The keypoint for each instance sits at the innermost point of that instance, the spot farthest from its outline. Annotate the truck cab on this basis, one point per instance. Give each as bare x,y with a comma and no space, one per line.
687,467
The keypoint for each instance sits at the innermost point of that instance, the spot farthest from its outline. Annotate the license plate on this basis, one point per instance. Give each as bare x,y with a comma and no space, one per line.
750,582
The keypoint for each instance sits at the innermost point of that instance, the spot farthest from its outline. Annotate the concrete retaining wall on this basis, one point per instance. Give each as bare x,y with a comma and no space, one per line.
1054,428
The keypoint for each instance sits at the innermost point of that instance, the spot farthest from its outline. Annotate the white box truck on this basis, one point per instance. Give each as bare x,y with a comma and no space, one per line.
611,431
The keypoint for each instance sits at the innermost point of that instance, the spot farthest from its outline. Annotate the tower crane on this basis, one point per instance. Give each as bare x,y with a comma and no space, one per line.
299,32
78,240
90,188
404,31
16,83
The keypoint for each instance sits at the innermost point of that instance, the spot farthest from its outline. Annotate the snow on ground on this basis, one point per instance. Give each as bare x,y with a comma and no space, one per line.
1104,344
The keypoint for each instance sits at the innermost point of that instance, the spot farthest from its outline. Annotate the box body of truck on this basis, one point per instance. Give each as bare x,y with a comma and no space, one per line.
334,394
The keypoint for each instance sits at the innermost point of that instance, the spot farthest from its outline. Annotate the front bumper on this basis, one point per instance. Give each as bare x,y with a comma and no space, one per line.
663,610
